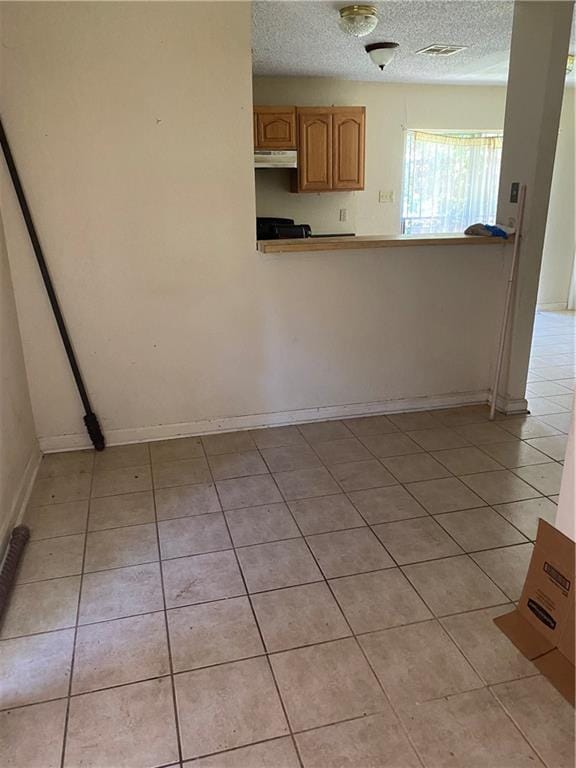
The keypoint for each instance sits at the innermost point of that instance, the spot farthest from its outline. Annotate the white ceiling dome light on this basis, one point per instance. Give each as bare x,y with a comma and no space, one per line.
381,53
358,20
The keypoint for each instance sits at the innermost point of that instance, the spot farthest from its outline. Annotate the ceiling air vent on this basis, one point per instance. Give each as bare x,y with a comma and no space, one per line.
442,50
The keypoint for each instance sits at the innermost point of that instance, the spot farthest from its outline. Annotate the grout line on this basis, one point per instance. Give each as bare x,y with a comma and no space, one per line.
328,585
217,600
73,659
452,557
262,641
325,581
86,624
239,509
80,694
166,630
426,514
516,725
205,755
361,649
280,651
89,573
472,663
323,466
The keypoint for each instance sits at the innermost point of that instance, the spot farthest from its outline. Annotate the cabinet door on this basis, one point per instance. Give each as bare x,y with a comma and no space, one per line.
348,148
314,150
275,127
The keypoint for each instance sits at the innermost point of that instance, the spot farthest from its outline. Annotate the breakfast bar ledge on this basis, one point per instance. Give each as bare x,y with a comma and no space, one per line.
374,241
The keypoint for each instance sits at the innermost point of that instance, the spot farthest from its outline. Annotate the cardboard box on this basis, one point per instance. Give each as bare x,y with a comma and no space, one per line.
542,626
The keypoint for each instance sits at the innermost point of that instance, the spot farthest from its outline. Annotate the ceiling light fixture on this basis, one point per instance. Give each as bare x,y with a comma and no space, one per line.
381,53
358,20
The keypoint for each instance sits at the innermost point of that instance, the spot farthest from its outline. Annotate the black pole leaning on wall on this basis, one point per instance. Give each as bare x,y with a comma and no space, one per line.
90,418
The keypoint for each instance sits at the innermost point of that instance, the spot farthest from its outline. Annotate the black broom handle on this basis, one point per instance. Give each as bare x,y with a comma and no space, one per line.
90,418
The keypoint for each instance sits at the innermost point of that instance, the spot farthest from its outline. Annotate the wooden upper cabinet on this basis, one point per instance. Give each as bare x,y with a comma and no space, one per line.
275,127
348,128
314,150
330,143
330,149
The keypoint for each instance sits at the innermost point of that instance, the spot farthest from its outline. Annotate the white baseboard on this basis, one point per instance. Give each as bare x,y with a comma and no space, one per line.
254,421
20,502
554,306
509,405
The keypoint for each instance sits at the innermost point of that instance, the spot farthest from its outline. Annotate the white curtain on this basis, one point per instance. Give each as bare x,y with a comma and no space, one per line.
450,181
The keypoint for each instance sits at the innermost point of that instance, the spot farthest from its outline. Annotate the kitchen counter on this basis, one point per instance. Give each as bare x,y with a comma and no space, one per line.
304,245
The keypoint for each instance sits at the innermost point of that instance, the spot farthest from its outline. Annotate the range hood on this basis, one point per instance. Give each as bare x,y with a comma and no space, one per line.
275,158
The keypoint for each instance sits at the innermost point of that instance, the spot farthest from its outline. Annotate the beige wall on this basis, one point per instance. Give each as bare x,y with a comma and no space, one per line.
143,202
390,109
19,453
132,126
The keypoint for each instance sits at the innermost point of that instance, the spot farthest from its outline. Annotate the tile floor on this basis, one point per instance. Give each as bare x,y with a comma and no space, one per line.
312,596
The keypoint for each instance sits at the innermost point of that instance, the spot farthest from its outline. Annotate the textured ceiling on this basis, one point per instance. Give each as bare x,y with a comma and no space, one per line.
303,39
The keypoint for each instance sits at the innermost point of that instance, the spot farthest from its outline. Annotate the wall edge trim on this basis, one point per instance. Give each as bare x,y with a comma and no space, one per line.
21,499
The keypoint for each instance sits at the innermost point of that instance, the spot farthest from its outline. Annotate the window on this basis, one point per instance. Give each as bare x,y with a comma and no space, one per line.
450,180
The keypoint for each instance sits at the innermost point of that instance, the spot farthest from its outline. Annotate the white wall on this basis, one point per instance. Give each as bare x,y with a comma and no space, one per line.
390,109
19,454
132,127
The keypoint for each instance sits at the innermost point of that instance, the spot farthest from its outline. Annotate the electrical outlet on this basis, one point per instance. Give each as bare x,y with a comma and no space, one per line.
386,196
343,214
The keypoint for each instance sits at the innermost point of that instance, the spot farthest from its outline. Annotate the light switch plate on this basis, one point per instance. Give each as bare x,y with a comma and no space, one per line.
386,196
